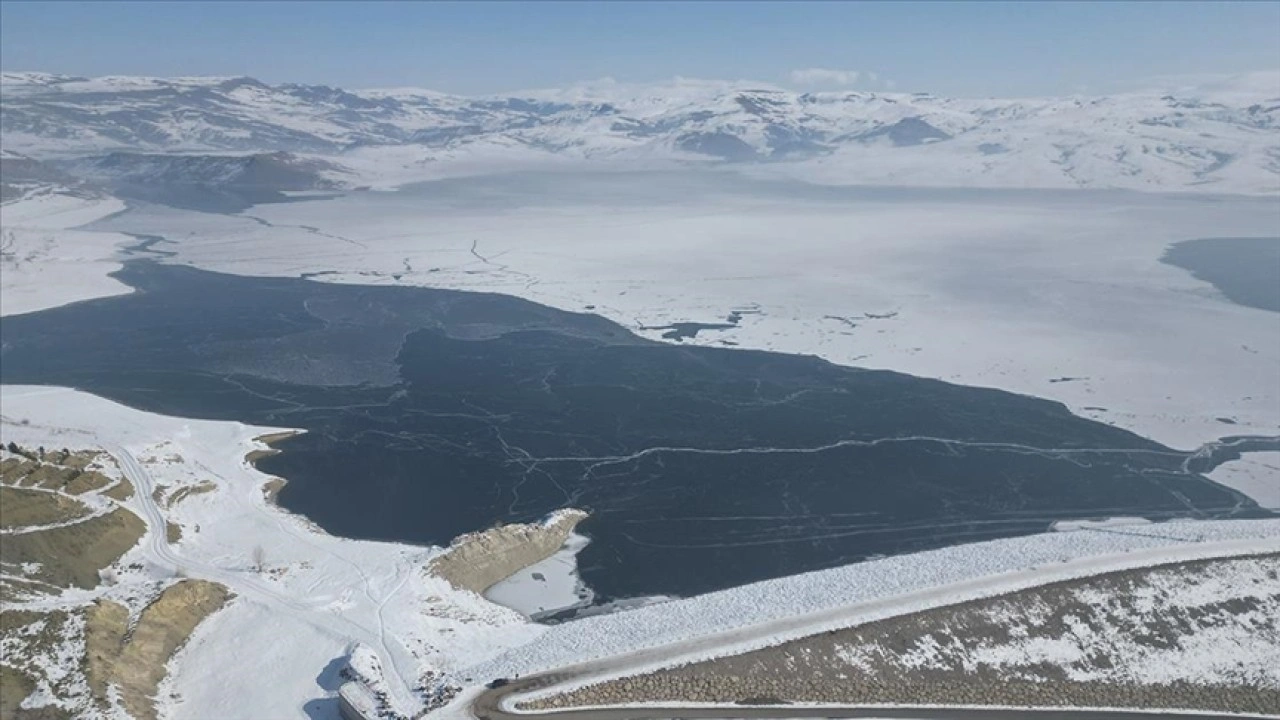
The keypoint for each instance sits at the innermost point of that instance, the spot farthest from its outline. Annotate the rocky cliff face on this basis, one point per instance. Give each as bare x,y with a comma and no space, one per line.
477,561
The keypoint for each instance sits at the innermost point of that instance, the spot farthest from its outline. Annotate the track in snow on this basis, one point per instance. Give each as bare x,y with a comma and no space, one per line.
160,553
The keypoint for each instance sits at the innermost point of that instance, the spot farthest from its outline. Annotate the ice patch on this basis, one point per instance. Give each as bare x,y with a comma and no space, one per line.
1256,474
546,587
1113,522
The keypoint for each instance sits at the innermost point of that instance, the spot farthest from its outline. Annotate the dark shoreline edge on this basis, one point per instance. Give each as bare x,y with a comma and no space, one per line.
274,484
1245,270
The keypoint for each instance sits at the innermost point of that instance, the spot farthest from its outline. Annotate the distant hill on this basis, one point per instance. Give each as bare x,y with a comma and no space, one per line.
1223,137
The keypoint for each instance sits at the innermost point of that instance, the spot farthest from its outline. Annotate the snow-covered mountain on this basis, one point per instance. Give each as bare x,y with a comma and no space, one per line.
265,171
1222,136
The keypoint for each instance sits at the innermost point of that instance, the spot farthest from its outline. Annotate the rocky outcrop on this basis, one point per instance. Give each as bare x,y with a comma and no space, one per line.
133,659
478,561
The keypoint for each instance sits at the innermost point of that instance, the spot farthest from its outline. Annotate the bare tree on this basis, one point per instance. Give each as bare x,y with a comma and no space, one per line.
259,558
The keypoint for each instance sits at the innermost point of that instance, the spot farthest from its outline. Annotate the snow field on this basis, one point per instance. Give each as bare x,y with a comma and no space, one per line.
44,263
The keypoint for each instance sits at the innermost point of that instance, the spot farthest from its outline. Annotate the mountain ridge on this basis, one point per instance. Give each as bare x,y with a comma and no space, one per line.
1222,138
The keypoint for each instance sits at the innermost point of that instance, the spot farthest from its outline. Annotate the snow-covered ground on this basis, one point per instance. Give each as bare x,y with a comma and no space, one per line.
1211,653
1058,295
44,263
291,622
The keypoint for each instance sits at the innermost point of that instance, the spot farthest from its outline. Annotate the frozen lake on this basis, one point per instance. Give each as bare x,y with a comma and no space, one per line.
436,412
1014,290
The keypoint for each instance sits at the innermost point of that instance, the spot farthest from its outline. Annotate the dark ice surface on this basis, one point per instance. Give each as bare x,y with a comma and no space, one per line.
432,413
1245,269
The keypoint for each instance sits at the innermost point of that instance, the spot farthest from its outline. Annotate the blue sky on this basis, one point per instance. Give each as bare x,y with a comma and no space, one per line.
1028,48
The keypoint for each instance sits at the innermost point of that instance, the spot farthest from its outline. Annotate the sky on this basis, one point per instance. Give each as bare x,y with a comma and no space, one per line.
950,48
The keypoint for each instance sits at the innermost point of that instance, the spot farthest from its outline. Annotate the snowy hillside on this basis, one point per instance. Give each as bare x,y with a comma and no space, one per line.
1219,137
277,171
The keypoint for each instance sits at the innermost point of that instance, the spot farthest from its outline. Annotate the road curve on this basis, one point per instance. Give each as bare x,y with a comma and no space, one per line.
489,706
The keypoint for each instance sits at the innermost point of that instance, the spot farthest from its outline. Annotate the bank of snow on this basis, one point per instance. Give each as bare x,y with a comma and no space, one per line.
1200,634
766,613
44,262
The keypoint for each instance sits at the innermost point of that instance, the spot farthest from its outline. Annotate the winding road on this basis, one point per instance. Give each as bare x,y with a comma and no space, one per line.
488,707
